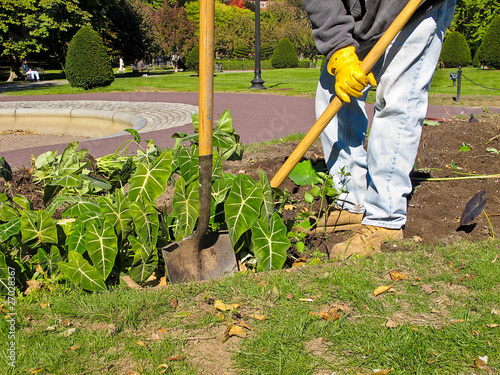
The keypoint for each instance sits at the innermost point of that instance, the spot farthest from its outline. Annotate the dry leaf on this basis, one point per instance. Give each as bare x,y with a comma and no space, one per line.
140,343
242,267
382,289
176,358
381,372
74,347
299,262
289,207
290,296
131,372
495,312
494,260
174,303
258,317
164,367
51,328
44,305
111,329
391,324
35,370
163,330
427,289
306,299
481,362
219,305
492,325
417,239
234,330
397,276
32,286
163,281
130,283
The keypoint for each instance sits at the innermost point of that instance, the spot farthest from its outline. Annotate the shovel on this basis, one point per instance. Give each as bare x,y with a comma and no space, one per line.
366,65
203,256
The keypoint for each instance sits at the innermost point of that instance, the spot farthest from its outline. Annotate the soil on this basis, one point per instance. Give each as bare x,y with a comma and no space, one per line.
434,207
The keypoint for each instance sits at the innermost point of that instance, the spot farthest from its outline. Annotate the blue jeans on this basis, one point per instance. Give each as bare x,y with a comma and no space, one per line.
378,180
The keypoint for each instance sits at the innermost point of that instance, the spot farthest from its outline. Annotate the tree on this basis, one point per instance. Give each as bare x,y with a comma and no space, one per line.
87,63
284,55
455,51
490,47
173,30
472,18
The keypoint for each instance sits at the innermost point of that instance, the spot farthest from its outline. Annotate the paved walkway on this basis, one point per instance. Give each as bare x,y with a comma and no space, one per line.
256,117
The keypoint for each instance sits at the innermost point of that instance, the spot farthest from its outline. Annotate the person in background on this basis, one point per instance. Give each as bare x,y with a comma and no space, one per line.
376,178
31,74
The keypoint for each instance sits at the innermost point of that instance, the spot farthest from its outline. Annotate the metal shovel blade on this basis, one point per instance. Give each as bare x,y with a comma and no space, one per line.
192,259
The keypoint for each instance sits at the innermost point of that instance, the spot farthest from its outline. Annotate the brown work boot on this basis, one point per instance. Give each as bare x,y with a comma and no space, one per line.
364,241
338,220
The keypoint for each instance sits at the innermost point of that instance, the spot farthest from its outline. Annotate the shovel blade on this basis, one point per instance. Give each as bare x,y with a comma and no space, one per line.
193,259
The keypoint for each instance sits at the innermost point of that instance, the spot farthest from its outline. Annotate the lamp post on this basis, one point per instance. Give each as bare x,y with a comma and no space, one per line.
257,82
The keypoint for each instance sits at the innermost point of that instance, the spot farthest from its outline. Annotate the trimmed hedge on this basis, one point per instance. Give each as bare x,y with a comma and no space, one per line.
193,59
241,51
284,55
87,62
266,51
456,51
490,47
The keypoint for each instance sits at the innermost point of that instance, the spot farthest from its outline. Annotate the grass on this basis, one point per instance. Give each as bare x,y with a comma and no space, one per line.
293,82
438,320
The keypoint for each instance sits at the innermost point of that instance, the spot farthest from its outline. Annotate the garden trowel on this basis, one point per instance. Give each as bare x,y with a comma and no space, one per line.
203,255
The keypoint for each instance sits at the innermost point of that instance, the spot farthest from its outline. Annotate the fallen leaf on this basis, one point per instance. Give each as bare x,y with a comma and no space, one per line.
140,343
36,370
129,282
397,276
74,347
473,208
111,329
427,289
32,286
68,332
381,372
289,207
219,305
290,296
242,267
44,305
131,372
234,330
163,330
163,281
417,239
492,325
382,289
176,358
481,362
495,312
51,328
174,303
258,317
164,367
391,324
494,260
299,262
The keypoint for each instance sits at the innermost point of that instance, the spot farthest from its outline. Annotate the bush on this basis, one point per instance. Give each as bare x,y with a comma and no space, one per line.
456,51
284,55
490,47
193,59
87,62
266,51
241,51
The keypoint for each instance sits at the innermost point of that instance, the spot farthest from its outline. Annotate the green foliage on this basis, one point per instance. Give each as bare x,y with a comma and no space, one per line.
455,51
490,47
87,62
241,51
192,59
284,55
266,51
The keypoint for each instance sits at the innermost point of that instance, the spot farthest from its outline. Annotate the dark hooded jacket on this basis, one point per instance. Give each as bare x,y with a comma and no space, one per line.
341,23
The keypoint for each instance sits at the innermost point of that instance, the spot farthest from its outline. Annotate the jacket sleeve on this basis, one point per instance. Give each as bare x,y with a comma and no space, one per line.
332,25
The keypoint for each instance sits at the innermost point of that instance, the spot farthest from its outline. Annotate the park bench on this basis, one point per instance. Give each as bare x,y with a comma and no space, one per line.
39,69
136,69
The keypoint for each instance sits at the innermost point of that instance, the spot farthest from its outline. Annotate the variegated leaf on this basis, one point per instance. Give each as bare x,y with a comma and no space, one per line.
23,202
71,160
76,240
242,206
49,262
38,228
4,275
186,163
270,244
102,246
117,213
185,207
146,221
80,207
82,273
145,259
7,212
150,181
268,204
9,229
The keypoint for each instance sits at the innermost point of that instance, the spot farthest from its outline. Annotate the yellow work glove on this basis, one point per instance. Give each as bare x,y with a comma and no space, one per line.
349,78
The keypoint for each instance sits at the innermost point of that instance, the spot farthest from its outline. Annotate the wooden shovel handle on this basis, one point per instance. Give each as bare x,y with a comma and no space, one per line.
366,65
206,75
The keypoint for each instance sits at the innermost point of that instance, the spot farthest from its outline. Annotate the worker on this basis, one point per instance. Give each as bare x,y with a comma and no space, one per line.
377,179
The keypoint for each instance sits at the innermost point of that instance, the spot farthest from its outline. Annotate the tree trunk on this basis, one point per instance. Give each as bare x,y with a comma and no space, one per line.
13,76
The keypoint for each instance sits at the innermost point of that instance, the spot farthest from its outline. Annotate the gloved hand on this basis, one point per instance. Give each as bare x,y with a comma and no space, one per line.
349,78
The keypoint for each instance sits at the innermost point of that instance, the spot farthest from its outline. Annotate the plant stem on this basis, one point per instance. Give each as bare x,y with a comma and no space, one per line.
491,227
455,178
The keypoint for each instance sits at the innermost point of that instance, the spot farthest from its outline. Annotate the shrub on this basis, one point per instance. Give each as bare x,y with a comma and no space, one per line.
266,51
193,59
456,51
87,62
241,51
284,55
490,47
